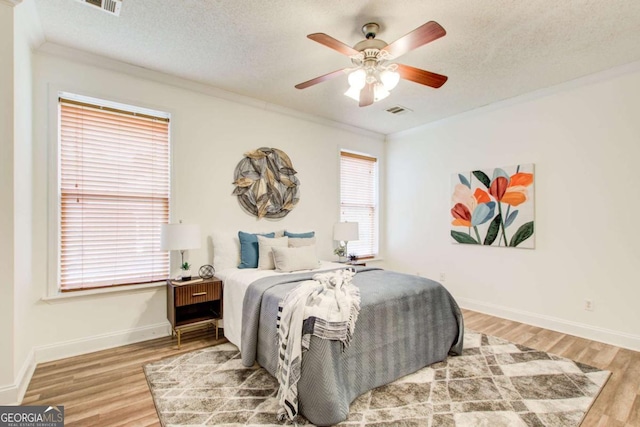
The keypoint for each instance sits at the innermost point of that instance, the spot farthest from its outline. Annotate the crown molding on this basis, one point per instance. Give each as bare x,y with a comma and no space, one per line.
599,76
92,59
11,2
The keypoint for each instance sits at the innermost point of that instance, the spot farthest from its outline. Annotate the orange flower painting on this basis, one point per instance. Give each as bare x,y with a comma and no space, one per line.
494,207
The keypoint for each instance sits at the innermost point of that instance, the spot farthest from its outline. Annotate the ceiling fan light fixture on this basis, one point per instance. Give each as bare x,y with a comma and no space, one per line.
389,79
381,81
357,78
353,93
371,59
379,92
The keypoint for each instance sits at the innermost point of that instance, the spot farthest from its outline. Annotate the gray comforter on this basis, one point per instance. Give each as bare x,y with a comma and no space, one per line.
406,323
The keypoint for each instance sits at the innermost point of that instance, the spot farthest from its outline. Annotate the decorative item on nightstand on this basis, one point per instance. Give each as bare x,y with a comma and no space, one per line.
344,232
186,271
180,237
207,271
341,251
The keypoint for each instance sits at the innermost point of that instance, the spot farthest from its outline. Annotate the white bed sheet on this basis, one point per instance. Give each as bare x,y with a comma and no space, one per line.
236,282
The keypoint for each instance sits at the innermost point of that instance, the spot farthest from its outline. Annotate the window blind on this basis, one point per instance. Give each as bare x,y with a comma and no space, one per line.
358,201
113,196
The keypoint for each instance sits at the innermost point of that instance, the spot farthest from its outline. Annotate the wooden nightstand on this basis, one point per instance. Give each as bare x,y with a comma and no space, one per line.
194,305
360,263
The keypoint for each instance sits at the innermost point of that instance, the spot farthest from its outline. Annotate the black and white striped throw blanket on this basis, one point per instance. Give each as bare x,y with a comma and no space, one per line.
326,307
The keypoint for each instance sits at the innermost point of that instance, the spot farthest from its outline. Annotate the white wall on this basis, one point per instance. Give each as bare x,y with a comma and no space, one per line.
583,139
28,35
6,197
209,136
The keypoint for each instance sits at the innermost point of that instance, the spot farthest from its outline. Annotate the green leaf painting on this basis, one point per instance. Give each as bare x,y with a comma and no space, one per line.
524,232
492,232
494,207
482,177
463,237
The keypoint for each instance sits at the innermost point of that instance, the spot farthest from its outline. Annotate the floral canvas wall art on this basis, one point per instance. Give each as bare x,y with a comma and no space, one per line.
494,207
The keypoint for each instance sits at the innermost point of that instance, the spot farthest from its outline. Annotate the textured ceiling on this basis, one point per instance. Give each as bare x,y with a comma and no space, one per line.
493,50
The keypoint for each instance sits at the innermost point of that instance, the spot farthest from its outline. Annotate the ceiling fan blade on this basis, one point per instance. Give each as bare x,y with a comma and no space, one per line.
334,44
366,95
421,76
422,35
320,79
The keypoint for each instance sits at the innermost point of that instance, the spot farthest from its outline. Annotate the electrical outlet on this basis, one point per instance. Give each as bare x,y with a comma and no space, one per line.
443,277
588,305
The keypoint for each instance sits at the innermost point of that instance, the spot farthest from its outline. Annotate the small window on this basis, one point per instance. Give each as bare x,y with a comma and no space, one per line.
113,194
359,200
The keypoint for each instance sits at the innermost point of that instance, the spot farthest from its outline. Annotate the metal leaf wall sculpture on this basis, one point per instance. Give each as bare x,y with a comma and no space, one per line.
266,184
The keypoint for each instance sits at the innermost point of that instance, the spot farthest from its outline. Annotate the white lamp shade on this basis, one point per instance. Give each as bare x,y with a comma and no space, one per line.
178,237
346,231
357,79
353,93
389,79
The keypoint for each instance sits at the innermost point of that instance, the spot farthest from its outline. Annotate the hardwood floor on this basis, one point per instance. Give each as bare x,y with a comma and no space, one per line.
108,388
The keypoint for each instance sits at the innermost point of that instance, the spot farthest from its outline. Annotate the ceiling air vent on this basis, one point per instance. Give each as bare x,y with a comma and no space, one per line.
398,109
109,6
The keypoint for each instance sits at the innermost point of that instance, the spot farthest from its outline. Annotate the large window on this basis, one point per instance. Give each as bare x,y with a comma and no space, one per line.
113,194
359,200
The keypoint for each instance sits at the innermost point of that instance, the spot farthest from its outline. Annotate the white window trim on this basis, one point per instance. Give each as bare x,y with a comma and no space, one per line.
52,291
63,296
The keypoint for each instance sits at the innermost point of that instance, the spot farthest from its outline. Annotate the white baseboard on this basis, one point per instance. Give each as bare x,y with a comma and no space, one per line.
86,345
12,394
608,336
9,395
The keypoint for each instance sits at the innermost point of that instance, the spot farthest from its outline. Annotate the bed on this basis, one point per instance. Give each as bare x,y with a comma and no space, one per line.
406,322
236,282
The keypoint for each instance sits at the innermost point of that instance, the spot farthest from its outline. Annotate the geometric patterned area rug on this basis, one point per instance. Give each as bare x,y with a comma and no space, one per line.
493,383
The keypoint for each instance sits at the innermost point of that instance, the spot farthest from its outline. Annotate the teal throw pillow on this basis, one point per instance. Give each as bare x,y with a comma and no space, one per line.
249,248
307,235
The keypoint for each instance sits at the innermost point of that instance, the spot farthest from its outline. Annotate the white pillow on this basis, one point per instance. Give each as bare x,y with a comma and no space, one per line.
294,259
296,242
265,258
226,250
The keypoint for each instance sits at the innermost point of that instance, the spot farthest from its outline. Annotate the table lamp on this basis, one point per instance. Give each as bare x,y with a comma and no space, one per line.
179,237
345,232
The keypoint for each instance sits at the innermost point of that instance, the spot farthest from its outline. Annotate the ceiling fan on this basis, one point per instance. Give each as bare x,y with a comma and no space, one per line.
373,76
